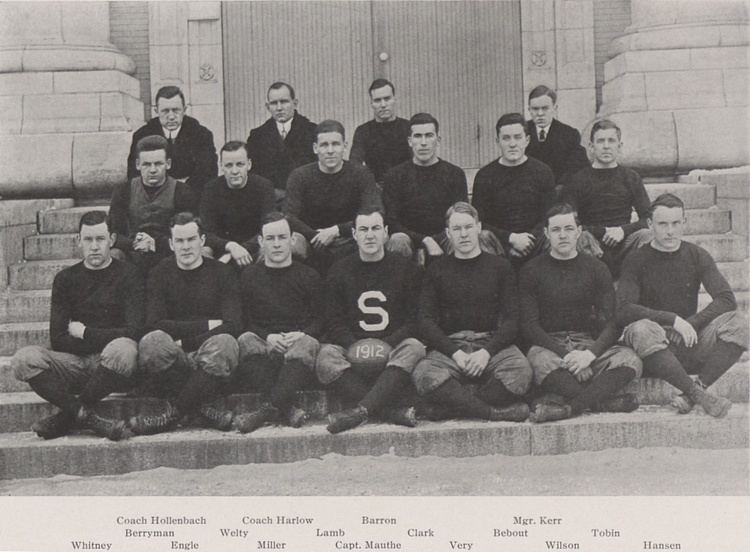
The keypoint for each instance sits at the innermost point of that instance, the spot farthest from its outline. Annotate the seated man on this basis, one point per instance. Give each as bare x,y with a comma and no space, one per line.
284,142
141,208
417,193
371,294
194,313
513,192
468,317
658,305
96,318
191,145
233,205
323,197
573,354
555,144
282,303
605,195
381,143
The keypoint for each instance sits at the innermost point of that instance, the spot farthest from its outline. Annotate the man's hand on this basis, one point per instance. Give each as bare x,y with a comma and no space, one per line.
584,375
578,361
325,237
477,362
178,342
76,329
276,341
613,235
240,255
144,243
686,331
522,243
214,324
432,247
460,358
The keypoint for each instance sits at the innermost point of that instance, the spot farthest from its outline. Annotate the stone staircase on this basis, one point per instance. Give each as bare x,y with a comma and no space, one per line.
24,314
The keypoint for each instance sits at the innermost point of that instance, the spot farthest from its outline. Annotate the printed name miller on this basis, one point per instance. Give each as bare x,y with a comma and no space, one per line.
651,545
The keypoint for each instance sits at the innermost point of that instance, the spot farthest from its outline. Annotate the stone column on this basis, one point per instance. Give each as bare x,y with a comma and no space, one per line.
68,102
677,84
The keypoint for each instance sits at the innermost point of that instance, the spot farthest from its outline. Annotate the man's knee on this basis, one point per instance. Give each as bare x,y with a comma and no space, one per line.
645,337
512,368
400,244
331,363
29,362
207,252
157,351
304,350
489,243
619,356
733,328
588,244
300,246
119,254
218,355
429,375
120,356
251,344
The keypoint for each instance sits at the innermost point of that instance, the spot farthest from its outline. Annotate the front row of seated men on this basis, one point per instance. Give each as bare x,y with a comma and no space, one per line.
393,345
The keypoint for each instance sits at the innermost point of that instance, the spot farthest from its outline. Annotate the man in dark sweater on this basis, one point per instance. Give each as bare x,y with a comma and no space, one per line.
141,208
418,192
191,145
568,318
605,195
194,315
96,318
323,197
381,143
282,304
468,318
658,305
513,193
371,294
555,144
284,142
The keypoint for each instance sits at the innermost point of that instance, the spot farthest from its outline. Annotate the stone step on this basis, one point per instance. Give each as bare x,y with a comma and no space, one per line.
62,221
15,335
44,247
36,274
694,196
722,247
24,455
25,306
708,221
737,274
9,384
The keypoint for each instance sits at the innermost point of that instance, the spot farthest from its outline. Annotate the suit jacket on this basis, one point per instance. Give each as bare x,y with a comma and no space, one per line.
561,150
274,158
193,153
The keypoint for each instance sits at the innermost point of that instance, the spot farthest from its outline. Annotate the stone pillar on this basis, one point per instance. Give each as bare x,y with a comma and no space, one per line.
677,84
68,102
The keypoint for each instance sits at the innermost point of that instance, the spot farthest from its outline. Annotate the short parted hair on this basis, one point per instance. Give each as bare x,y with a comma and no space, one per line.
543,90
380,83
169,92
329,125
368,210
271,217
278,85
666,200
186,217
92,218
604,124
234,145
561,209
511,119
461,207
424,119
152,143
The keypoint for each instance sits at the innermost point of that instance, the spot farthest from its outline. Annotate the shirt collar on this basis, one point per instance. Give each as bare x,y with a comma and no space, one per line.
171,133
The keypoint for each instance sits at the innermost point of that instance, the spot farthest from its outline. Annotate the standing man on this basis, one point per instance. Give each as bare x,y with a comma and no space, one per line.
191,145
284,142
573,354
381,143
605,195
513,193
282,304
658,305
468,317
194,315
323,197
96,318
371,294
418,192
555,144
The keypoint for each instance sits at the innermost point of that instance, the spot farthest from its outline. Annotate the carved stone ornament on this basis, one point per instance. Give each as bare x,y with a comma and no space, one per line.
539,58
207,72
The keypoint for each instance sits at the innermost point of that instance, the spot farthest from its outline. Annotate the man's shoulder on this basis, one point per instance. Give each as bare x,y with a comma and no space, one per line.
449,168
268,125
305,172
151,128
192,126
564,130
259,183
488,169
343,267
68,274
303,122
532,164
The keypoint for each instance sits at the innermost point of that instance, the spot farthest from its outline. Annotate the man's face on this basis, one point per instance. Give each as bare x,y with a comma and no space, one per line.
383,102
605,148
512,140
463,232
563,232
95,242
280,104
186,241
329,147
171,111
424,141
370,233
276,242
153,166
542,110
667,225
235,165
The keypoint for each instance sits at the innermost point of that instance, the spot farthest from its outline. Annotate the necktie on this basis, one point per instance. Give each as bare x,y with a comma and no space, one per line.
542,135
283,133
170,139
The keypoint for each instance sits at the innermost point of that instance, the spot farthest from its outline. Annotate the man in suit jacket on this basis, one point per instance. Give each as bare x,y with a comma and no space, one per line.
192,149
284,142
554,143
